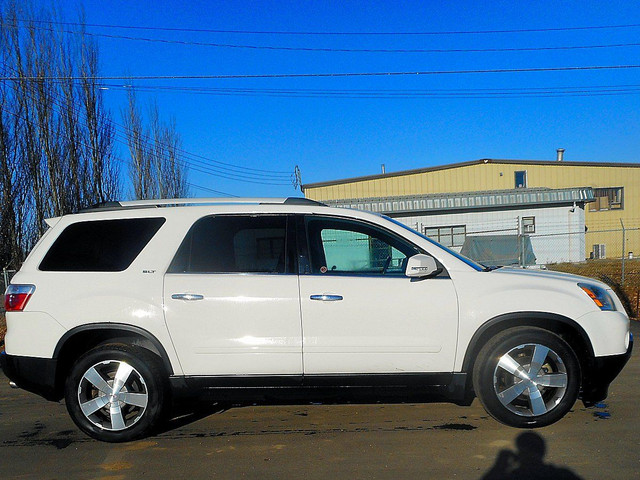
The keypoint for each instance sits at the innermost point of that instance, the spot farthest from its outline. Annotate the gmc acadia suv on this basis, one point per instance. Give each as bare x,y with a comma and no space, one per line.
126,307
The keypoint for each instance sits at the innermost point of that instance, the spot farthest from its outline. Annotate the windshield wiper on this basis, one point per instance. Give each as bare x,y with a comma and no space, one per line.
490,268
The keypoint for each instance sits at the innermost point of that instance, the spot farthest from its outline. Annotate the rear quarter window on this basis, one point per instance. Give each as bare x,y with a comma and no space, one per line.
100,246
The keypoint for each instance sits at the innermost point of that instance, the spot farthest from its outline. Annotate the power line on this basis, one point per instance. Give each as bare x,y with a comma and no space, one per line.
207,189
202,88
515,92
226,170
124,162
400,90
327,75
393,93
202,164
121,136
344,50
281,32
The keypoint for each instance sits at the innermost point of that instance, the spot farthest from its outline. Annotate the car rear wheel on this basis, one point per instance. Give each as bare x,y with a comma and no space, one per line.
116,392
527,377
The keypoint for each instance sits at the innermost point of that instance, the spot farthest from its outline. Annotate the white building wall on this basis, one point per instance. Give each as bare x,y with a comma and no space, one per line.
559,230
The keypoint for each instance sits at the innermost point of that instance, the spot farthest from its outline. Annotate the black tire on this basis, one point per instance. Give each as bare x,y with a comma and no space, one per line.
135,408
539,393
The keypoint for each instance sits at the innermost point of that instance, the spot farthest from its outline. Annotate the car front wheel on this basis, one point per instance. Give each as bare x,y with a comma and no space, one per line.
527,377
116,392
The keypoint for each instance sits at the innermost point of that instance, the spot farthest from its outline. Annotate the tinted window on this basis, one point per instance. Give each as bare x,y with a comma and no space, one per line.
339,246
235,244
100,246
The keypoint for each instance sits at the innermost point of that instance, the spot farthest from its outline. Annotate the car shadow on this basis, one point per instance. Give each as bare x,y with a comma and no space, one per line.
187,411
182,415
527,462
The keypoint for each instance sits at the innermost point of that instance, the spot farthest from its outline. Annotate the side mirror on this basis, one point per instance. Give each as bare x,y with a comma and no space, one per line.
421,266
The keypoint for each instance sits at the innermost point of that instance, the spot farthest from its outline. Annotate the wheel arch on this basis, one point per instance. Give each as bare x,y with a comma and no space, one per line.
563,326
85,337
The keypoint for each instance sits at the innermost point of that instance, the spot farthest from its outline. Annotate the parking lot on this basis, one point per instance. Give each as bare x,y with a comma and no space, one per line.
436,440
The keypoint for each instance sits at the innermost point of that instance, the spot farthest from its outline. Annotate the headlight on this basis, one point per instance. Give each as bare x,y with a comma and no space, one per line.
599,296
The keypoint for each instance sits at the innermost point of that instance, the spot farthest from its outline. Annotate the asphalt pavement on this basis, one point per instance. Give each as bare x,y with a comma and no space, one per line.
414,441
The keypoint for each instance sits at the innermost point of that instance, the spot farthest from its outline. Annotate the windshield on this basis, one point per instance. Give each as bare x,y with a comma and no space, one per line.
462,258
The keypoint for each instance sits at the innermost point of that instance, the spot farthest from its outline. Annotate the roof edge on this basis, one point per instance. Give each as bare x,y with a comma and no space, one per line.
401,173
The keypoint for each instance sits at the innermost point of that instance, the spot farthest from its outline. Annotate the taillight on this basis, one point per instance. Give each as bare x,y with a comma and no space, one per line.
17,296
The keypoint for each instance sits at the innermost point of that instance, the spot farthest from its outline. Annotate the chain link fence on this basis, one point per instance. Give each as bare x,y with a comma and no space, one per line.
4,281
7,275
612,256
610,253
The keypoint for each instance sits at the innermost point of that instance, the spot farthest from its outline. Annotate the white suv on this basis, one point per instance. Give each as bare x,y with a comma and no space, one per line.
125,307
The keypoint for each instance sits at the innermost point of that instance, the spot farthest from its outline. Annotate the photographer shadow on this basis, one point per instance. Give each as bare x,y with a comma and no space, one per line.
527,463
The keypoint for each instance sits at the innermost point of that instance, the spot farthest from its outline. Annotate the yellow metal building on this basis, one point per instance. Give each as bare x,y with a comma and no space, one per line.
616,188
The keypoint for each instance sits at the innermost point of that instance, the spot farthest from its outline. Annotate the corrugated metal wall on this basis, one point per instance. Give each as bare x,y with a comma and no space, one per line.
497,176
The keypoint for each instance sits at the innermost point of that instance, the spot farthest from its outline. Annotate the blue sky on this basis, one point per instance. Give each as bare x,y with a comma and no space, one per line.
331,137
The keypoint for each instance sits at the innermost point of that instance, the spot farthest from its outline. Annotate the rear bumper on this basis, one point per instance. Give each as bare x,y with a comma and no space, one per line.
600,373
37,375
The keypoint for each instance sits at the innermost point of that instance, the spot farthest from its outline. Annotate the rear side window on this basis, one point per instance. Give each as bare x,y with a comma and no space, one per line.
100,246
235,244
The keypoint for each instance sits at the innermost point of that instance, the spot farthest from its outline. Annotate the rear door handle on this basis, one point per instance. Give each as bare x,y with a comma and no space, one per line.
187,296
326,298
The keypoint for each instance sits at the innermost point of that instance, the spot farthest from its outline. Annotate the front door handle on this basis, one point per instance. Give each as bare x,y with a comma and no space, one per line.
187,296
326,298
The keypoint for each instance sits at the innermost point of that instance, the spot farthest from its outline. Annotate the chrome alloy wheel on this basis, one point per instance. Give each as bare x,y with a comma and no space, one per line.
113,395
530,379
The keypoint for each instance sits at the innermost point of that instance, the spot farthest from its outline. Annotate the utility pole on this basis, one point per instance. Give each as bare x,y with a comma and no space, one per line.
296,178
624,250
520,246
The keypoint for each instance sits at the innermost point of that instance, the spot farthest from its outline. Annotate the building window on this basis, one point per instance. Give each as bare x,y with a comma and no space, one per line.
528,224
607,199
521,179
451,236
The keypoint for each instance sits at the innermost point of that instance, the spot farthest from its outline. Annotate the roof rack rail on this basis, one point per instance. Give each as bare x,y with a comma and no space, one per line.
164,202
302,201
111,205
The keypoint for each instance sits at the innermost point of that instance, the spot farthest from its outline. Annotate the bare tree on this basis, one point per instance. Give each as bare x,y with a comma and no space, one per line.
156,170
56,137
98,132
141,168
11,187
171,173
172,169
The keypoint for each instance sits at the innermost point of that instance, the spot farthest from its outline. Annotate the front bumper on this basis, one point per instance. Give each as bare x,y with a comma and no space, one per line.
600,373
37,375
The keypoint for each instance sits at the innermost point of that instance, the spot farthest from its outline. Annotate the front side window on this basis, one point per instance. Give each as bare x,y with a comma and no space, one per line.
235,244
100,245
348,247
